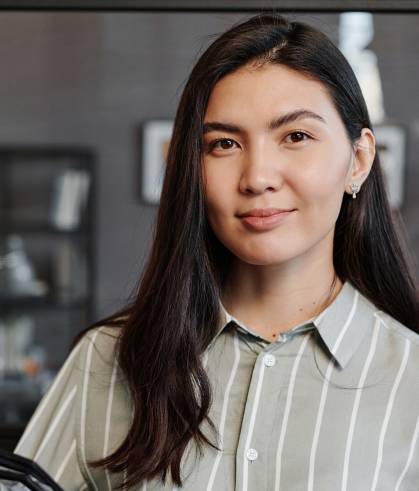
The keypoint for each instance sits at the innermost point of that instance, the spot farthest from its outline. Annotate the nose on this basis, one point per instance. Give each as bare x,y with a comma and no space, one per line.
261,171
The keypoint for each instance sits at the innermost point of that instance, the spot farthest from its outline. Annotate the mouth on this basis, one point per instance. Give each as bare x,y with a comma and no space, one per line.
264,218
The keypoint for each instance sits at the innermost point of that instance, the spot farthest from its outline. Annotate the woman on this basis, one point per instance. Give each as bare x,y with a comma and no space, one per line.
273,340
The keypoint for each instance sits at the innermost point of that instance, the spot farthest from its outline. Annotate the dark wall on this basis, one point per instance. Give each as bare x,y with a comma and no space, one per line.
91,78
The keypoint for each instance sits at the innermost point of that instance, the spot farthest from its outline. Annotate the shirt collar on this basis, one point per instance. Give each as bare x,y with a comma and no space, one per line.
341,326
344,323
225,319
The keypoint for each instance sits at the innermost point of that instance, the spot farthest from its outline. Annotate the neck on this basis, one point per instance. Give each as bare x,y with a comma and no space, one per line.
272,299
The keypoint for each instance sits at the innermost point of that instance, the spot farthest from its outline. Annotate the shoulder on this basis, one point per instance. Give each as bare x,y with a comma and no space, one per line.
370,314
396,330
97,351
104,338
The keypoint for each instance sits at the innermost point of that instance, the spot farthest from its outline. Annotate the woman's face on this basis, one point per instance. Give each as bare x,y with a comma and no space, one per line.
277,162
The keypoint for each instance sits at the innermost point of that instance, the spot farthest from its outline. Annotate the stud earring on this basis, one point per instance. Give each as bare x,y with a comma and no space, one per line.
355,189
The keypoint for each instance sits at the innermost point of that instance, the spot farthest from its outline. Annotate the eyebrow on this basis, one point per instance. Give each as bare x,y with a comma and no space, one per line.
274,124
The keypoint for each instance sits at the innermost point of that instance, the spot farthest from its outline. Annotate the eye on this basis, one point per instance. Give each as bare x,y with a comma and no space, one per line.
296,137
224,144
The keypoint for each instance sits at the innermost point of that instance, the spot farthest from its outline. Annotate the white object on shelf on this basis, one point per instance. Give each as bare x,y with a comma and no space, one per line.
70,275
17,273
356,31
71,191
17,336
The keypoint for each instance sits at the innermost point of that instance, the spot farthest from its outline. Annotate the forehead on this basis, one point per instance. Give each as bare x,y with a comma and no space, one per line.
272,88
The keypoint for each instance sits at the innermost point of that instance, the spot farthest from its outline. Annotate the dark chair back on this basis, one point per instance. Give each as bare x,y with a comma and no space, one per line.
15,469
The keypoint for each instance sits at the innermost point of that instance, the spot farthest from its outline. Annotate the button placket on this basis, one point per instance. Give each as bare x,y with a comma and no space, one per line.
269,361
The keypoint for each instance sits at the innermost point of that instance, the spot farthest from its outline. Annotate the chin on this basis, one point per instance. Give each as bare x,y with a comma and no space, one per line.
269,251
267,258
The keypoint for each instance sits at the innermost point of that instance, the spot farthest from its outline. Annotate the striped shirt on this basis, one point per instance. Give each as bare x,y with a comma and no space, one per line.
333,404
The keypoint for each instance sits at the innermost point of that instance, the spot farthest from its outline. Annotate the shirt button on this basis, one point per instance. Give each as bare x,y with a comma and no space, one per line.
251,454
269,360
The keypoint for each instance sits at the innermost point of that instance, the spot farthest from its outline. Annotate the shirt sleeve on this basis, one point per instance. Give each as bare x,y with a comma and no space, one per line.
50,436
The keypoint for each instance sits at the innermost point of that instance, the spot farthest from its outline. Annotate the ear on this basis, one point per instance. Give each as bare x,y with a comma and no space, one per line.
362,160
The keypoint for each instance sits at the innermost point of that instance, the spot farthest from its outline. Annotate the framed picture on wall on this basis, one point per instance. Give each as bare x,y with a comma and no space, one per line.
391,144
156,135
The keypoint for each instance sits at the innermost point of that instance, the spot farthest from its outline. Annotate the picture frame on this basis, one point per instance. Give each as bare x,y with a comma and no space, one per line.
391,147
155,137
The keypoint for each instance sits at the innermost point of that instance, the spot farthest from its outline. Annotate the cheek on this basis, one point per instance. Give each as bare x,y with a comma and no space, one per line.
322,183
219,188
316,192
319,192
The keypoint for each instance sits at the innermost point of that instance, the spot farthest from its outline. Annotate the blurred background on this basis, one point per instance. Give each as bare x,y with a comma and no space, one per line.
86,107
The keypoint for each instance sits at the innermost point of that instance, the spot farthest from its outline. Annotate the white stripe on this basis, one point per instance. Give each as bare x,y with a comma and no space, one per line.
108,418
252,424
356,403
318,424
324,394
412,448
57,419
388,413
144,486
83,407
224,410
125,471
348,322
287,410
65,461
45,401
83,487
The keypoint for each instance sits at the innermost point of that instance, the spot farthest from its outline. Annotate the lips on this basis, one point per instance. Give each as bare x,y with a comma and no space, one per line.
264,218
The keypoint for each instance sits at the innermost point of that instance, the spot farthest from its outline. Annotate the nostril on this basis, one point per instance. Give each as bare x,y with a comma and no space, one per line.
254,191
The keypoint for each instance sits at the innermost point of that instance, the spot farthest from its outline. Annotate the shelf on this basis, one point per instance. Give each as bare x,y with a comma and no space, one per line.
31,188
40,303
10,434
10,227
10,153
18,401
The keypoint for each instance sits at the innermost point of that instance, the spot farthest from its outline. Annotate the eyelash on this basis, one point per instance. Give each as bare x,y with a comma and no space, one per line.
298,131
213,143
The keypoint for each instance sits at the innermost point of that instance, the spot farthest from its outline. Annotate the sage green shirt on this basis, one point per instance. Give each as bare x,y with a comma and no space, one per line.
333,404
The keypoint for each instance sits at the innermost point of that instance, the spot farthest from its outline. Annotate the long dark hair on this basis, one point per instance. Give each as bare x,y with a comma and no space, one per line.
174,314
